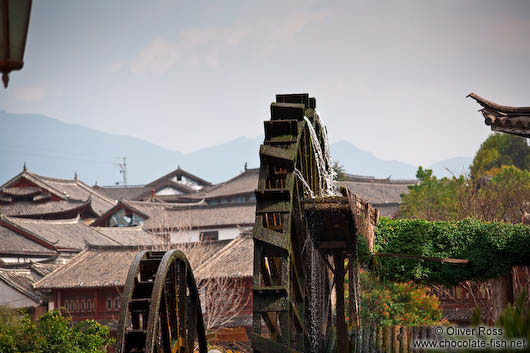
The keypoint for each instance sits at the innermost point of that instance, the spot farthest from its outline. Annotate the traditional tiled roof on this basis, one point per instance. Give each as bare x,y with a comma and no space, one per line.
130,235
203,216
502,118
235,260
149,208
13,243
146,209
94,267
377,193
461,315
244,183
389,210
107,266
198,253
121,192
149,190
44,269
29,191
36,210
178,172
62,234
64,189
21,279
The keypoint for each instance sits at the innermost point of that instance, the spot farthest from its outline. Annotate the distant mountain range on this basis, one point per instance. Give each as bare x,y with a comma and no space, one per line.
57,149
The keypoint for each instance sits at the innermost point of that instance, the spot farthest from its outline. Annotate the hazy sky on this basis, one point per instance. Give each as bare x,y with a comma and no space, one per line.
390,77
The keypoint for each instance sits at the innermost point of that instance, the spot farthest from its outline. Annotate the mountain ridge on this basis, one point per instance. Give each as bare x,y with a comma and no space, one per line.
95,155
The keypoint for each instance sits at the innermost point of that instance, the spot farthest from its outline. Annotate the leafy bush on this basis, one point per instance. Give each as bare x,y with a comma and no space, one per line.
389,303
492,248
53,333
501,196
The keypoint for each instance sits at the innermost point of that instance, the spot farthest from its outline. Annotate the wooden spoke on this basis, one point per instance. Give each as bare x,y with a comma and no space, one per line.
155,317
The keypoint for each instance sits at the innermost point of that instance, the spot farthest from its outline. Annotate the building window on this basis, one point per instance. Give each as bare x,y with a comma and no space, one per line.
116,303
109,304
83,307
71,306
209,236
76,307
66,305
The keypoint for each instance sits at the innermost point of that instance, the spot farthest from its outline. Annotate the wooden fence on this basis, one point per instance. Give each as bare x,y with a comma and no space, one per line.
391,339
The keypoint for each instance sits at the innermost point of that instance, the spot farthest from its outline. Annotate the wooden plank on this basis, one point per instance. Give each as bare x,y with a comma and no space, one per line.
269,299
271,237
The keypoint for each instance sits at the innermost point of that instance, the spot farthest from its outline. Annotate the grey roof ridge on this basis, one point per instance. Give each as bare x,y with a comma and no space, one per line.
208,206
36,269
49,221
78,258
19,288
94,192
8,220
175,171
35,179
506,109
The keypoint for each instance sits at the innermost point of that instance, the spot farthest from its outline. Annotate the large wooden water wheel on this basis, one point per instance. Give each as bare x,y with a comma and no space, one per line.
160,310
291,289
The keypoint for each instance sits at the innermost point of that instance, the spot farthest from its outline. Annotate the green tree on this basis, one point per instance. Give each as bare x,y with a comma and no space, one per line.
53,333
339,169
503,197
432,198
501,150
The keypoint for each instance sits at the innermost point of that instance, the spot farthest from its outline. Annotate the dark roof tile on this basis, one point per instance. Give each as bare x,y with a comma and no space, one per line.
108,266
235,260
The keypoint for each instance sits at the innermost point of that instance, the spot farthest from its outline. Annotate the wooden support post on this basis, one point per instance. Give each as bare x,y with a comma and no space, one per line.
342,335
502,294
354,295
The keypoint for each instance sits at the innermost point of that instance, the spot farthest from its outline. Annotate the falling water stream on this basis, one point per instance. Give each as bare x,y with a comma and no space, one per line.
317,301
324,165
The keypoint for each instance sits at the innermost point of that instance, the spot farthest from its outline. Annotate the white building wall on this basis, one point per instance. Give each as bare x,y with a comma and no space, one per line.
194,235
14,299
188,182
15,260
168,191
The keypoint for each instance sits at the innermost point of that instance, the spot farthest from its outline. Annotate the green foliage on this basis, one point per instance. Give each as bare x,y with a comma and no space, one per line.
363,252
9,316
339,169
432,198
515,319
406,304
53,333
492,248
502,198
501,150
